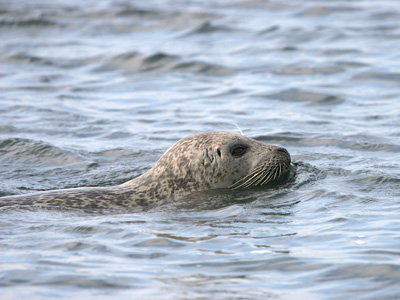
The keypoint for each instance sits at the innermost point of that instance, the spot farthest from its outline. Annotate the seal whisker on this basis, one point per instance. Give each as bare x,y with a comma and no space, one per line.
248,179
258,176
242,183
240,130
268,177
254,180
263,176
276,173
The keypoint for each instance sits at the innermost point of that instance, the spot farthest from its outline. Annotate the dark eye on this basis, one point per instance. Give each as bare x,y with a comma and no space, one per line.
238,151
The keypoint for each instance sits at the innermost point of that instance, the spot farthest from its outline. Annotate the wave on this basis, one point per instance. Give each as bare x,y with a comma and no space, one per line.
29,22
208,27
18,150
300,95
135,62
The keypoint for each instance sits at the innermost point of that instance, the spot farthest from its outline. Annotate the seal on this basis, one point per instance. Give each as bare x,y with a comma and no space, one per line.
201,162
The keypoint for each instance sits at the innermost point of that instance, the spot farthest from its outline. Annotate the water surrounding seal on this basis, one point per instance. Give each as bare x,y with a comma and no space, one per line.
205,161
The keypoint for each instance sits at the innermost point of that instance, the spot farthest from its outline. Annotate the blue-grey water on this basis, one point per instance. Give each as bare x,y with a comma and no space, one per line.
93,92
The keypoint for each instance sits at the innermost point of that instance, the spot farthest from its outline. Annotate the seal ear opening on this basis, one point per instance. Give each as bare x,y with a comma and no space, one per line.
219,152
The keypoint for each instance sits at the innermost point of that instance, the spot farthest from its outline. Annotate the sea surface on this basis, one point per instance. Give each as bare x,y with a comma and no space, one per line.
93,92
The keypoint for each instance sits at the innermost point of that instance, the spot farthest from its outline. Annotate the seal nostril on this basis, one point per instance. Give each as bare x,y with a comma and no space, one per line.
219,153
282,151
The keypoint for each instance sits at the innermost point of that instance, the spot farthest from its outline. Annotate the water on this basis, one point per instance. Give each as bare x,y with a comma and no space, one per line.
93,92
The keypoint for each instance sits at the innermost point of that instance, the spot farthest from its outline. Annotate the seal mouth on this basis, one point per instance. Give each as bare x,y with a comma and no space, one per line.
263,174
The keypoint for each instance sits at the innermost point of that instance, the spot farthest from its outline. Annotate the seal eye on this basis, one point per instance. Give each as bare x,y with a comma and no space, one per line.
238,150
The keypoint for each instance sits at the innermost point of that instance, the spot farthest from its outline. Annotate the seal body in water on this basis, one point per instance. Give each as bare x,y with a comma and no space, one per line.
205,161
